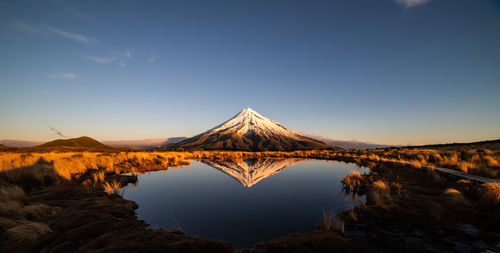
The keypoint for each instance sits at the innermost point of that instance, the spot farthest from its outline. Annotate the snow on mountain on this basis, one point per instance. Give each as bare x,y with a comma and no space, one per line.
249,131
249,121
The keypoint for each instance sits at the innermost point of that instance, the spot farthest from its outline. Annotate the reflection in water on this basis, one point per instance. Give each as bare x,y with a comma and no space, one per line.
267,199
251,171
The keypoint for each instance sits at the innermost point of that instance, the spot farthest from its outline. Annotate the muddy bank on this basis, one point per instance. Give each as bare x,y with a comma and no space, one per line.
91,221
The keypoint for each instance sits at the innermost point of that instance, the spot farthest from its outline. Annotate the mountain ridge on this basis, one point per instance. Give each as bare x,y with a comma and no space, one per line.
248,131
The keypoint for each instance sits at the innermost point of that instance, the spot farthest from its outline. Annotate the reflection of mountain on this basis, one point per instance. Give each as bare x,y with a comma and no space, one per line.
251,171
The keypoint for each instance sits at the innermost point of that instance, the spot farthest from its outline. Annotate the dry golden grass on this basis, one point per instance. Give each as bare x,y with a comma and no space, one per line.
490,195
98,176
67,164
112,188
379,194
475,161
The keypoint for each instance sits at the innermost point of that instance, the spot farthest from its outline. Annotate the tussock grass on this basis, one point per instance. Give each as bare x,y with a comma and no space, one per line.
12,193
476,161
331,221
112,188
379,194
356,183
67,164
98,176
327,221
38,211
27,232
11,209
490,196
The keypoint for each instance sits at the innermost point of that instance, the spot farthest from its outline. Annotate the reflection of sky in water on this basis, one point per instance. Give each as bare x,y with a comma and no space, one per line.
208,203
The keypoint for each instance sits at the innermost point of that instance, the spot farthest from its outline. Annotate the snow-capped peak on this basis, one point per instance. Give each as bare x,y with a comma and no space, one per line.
248,121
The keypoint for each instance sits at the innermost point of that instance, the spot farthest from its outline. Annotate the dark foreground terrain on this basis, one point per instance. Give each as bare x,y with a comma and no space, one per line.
408,209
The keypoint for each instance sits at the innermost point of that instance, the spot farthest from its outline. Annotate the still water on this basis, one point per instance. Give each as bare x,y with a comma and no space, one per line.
242,202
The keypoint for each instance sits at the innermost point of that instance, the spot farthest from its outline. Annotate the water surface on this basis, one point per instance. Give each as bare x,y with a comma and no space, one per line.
242,202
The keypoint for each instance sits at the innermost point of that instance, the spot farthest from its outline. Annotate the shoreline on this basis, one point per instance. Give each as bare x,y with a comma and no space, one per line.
90,219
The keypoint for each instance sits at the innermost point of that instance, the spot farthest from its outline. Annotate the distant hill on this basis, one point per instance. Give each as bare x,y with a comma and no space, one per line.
349,144
248,131
19,143
81,142
488,144
144,144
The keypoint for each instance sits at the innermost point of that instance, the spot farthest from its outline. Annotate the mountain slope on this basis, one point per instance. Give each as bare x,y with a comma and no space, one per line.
81,142
248,131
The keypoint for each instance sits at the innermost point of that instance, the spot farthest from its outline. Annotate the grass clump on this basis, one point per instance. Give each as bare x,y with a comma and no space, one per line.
98,176
24,234
490,196
38,211
379,194
12,193
112,188
356,183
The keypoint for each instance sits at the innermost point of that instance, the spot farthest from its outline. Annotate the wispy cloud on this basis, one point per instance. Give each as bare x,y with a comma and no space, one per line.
50,30
411,3
30,28
69,35
54,130
74,11
102,60
118,57
153,58
62,75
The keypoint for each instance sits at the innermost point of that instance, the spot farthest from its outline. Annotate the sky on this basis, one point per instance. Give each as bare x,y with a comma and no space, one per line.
389,72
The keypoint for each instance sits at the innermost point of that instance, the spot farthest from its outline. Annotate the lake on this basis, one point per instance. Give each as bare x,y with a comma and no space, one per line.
242,202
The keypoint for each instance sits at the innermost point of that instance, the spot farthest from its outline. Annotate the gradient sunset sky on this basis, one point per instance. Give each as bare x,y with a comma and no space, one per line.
388,71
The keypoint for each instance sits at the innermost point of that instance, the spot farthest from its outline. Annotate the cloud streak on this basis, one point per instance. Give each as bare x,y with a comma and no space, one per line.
76,12
153,58
23,26
411,3
50,30
119,58
101,60
62,75
57,132
69,35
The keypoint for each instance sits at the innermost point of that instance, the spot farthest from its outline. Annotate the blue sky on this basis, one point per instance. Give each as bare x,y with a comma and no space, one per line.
388,71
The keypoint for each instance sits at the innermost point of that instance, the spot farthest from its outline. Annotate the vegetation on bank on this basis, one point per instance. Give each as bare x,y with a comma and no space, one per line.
23,220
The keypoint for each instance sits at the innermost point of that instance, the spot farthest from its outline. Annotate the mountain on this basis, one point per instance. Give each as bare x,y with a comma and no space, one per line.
349,144
251,171
248,131
144,144
19,143
81,142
